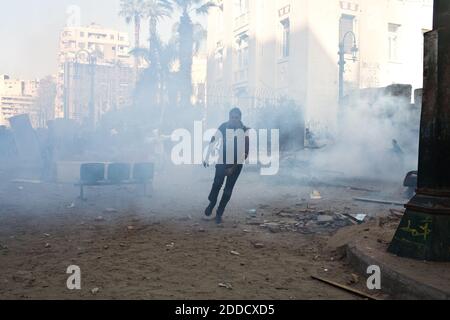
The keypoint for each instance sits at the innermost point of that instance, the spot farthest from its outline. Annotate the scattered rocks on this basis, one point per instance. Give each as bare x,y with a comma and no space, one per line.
325,218
95,290
226,286
235,253
48,245
258,245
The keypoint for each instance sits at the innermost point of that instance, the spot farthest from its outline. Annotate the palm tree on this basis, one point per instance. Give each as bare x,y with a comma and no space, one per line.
155,11
186,30
134,11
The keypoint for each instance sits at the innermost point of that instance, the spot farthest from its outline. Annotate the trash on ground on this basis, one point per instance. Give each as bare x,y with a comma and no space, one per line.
226,285
315,195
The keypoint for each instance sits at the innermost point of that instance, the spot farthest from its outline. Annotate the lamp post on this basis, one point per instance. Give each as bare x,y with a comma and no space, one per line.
92,59
342,62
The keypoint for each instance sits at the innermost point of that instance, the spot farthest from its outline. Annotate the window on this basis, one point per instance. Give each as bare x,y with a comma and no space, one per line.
82,34
285,38
219,58
346,25
241,7
242,51
112,37
393,30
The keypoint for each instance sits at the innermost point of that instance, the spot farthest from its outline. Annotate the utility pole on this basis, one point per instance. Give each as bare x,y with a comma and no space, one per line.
342,62
424,232
92,64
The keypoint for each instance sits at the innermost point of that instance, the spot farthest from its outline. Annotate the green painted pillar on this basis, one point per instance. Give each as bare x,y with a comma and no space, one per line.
424,232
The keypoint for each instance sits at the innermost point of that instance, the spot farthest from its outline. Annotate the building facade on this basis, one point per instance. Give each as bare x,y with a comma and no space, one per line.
95,67
17,97
260,51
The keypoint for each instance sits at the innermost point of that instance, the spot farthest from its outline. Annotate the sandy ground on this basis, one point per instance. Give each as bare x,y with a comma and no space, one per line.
163,248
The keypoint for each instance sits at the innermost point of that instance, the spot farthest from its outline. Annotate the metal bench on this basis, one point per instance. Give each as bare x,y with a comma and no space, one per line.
93,175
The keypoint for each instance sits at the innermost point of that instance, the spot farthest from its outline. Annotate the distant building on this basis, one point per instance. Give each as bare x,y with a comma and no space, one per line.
259,51
98,56
17,97
199,67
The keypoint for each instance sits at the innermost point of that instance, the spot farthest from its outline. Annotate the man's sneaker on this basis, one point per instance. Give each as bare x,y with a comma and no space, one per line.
209,211
219,219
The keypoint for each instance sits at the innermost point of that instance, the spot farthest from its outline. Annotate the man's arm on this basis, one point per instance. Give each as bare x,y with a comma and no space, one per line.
214,140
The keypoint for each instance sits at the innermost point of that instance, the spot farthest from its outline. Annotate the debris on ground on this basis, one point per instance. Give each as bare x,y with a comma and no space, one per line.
226,285
48,245
380,201
258,245
71,206
235,253
252,212
110,210
95,290
358,218
315,195
345,288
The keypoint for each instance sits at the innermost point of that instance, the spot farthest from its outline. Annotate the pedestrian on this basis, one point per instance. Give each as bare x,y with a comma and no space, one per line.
229,167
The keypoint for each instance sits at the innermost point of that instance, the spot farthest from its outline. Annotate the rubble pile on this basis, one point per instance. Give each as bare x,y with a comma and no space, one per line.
305,221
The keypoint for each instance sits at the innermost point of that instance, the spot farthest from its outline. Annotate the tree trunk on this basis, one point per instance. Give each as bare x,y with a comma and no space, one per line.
186,50
137,31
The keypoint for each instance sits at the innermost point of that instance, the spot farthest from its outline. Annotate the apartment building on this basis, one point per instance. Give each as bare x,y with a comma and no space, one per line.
93,62
260,51
17,97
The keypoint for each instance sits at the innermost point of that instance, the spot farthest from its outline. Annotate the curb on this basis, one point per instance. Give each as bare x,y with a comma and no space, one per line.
397,285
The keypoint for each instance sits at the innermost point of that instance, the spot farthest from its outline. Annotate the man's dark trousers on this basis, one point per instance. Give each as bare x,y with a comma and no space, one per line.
219,179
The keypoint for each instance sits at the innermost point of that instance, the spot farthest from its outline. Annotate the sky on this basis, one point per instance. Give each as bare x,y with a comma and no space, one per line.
29,30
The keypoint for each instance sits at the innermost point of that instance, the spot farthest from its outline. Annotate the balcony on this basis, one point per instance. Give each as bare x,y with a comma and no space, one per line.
241,22
241,76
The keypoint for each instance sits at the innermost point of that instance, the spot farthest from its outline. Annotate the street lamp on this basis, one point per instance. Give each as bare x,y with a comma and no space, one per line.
92,59
342,62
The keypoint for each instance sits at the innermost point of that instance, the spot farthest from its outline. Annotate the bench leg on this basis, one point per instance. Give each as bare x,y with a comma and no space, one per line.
82,193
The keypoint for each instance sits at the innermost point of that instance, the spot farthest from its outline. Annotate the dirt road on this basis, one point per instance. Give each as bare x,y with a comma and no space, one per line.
131,247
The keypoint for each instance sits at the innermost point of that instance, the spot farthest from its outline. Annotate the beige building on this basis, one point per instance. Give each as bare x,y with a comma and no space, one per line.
259,51
93,54
17,97
199,72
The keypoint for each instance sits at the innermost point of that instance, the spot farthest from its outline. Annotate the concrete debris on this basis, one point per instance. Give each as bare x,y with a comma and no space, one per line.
95,290
258,245
324,219
235,253
226,285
